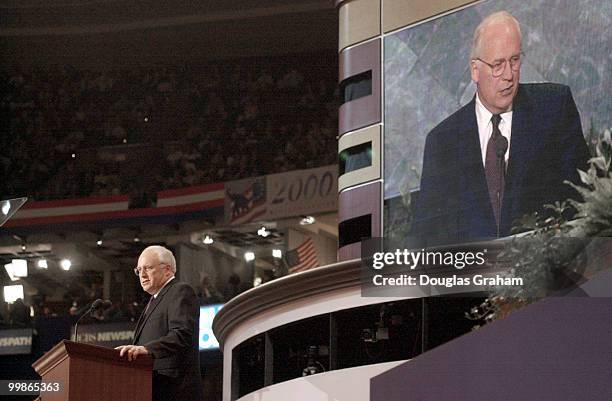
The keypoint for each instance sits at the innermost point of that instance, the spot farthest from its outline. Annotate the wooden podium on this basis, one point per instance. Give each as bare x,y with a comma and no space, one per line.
92,373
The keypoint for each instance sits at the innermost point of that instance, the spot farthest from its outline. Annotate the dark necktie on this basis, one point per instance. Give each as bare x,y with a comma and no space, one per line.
495,167
150,305
142,318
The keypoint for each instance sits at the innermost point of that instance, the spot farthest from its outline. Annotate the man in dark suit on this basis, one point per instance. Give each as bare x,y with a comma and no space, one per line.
503,155
168,329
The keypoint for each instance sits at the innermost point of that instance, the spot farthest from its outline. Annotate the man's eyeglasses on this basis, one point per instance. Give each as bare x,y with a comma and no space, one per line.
498,68
147,269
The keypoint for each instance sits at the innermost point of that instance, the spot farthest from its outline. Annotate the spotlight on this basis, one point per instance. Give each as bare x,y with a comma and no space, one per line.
65,264
20,267
23,247
306,220
42,264
263,232
73,155
257,281
99,242
13,293
136,239
207,240
277,253
249,256
6,207
9,270
16,269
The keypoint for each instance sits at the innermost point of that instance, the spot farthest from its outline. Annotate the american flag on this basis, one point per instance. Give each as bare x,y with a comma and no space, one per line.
303,257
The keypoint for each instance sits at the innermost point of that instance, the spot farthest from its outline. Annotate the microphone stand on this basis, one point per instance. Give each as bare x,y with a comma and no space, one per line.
94,305
500,149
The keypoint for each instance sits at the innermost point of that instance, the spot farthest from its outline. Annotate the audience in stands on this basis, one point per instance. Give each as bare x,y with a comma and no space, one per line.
76,133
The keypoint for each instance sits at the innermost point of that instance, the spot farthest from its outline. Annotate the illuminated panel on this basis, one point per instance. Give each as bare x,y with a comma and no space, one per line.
360,156
207,340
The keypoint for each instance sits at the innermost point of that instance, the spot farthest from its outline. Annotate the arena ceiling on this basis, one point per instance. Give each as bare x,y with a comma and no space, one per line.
23,14
121,31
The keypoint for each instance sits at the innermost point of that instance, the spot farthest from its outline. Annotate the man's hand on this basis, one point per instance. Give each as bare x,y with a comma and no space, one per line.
132,351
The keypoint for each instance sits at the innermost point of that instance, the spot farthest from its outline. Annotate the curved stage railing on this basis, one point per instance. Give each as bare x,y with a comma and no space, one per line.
276,335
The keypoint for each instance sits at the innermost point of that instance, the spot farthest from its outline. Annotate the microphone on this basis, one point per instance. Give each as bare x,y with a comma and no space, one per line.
100,303
95,305
501,146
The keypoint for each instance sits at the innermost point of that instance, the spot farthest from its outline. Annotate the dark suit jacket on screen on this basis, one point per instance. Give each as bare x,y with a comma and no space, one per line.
169,330
546,147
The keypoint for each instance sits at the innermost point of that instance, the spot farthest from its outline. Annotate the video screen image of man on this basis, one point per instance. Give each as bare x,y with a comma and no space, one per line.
167,329
505,154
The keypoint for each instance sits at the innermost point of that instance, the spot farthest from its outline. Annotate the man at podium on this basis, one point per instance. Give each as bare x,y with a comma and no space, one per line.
167,329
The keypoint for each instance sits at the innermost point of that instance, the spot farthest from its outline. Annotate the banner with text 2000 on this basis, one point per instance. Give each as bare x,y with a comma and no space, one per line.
302,192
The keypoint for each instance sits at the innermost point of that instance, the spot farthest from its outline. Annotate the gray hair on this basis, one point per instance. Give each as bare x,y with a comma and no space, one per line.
497,17
164,255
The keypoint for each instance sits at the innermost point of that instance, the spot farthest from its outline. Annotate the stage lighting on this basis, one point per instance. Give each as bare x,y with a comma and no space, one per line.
16,269
306,220
207,240
6,207
277,253
263,232
249,256
9,270
20,267
13,293
65,264
99,242
42,264
257,281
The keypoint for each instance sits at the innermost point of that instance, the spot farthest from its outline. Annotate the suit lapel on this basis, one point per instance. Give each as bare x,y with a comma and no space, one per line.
144,317
520,144
138,328
522,149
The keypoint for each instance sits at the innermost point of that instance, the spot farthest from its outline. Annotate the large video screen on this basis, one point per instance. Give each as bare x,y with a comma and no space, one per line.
437,181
